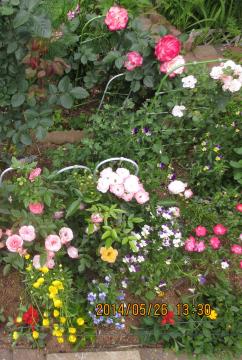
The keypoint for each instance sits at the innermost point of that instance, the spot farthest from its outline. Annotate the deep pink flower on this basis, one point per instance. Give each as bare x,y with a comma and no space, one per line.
200,246
116,18
236,249
240,264
239,207
190,244
219,229
172,64
167,48
53,243
72,252
36,208
134,60
34,173
14,243
96,218
215,242
200,231
27,233
142,197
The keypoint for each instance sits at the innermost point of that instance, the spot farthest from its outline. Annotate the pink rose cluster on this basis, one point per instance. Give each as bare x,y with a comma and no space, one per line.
116,18
34,174
229,74
178,187
122,184
167,52
72,13
134,60
15,242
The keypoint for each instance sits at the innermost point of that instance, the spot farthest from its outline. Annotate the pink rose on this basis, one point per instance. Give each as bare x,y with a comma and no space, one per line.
14,242
9,232
58,215
134,60
117,190
167,48
22,252
201,231
34,173
239,207
236,249
36,262
172,64
96,218
132,184
219,229
50,254
103,185
116,18
142,197
36,208
53,243
200,246
66,235
50,263
1,233
72,252
215,242
123,173
190,244
240,264
127,196
188,193
27,233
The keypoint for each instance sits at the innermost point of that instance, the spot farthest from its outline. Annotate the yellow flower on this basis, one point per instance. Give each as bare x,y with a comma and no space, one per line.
35,335
56,313
204,149
58,284
108,254
216,149
58,333
15,335
19,319
41,280
205,168
72,338
52,296
36,285
62,320
80,321
72,330
28,268
60,340
237,130
46,322
46,314
56,326
44,269
213,315
217,158
53,290
27,256
57,303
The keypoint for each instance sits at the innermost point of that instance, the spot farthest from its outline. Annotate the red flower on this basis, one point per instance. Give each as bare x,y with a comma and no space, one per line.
167,48
168,318
31,317
239,207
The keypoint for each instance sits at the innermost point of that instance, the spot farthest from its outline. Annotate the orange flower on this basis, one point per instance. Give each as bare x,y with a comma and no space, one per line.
108,254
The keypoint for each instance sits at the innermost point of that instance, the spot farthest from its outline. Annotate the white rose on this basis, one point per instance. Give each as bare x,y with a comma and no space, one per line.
131,184
123,173
178,110
234,85
216,72
177,187
189,82
103,185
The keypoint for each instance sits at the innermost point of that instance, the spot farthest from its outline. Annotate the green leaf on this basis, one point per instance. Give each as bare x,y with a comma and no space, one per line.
40,133
238,151
17,100
43,259
12,46
150,295
106,235
6,269
119,62
47,198
66,101
73,207
149,81
20,19
108,242
42,27
32,4
25,139
137,220
15,2
64,84
135,86
236,164
111,56
79,93
6,10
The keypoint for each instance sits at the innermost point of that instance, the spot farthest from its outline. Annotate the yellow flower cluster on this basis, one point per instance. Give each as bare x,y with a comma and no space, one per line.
213,315
54,289
38,282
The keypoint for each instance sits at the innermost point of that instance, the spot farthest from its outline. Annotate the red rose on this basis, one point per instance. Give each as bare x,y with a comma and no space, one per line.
168,318
167,48
31,317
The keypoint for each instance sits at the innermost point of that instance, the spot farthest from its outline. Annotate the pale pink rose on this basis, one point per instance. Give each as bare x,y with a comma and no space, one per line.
127,196
36,262
72,252
58,215
190,244
216,72
22,252
172,64
115,179
123,173
8,232
96,218
116,18
234,85
167,48
132,184
50,254
215,242
50,263
53,243
188,193
219,229
14,242
103,185
27,233
34,173
177,187
66,235
142,197
1,233
236,249
226,79
117,190
82,206
200,246
36,208
200,231
105,173
134,60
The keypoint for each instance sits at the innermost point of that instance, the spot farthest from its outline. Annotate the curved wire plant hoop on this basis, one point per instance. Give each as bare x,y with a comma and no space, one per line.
117,159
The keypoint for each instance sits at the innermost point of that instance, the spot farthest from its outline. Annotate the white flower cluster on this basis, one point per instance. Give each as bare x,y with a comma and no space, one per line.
229,74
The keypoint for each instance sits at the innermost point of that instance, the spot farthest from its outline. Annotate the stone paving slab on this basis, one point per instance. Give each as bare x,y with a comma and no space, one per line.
5,355
151,354
26,354
103,355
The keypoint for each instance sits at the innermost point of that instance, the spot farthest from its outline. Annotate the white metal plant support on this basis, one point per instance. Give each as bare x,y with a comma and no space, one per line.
117,159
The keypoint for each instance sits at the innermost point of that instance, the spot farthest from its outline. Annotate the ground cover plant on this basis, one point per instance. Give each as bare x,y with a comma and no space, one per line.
143,219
